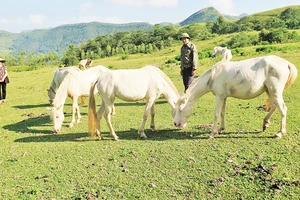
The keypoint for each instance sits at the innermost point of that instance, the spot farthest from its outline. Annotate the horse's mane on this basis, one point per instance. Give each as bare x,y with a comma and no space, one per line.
194,83
171,84
62,91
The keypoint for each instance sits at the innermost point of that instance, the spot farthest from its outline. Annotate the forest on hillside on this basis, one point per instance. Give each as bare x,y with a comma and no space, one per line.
269,29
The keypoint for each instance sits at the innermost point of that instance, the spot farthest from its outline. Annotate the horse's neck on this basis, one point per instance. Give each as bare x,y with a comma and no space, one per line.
171,96
199,87
62,91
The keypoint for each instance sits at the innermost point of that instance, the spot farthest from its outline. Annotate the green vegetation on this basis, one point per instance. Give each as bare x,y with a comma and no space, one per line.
272,27
241,163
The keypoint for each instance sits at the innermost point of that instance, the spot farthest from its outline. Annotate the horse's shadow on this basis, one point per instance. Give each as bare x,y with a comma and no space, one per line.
25,126
31,106
132,134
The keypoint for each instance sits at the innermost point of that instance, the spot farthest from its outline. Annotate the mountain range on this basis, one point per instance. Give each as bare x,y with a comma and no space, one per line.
58,39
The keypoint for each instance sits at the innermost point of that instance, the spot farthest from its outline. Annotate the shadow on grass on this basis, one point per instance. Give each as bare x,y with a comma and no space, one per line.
27,125
132,134
32,106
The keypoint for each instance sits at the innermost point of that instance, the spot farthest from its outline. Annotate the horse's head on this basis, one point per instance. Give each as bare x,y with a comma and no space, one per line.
182,112
57,117
216,51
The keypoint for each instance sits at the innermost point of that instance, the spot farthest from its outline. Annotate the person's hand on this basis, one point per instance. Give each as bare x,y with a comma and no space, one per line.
193,72
181,72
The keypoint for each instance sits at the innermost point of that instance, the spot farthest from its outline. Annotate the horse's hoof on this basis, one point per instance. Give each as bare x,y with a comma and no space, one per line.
143,137
210,137
278,136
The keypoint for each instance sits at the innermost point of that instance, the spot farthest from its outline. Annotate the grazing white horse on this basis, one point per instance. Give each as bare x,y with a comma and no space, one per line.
147,83
226,53
75,84
244,79
58,77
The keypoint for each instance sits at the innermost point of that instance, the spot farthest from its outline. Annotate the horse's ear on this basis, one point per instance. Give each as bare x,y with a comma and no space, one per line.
182,103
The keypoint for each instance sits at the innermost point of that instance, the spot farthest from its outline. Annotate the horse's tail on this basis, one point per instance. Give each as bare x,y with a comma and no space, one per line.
92,116
292,77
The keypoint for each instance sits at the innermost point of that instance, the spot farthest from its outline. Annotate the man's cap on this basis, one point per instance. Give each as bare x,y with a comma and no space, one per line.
184,35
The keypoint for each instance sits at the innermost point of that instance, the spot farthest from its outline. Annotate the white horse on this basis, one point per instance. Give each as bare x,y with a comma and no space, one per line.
226,53
58,77
245,79
75,84
86,63
147,83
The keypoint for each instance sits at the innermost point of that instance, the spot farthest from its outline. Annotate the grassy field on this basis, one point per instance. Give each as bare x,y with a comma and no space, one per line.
241,163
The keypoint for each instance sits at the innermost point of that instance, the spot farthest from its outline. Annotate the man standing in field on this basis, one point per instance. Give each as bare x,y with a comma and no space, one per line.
189,60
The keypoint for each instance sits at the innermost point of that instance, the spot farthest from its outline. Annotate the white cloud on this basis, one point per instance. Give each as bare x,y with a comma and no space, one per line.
4,21
37,19
223,6
144,3
85,7
114,20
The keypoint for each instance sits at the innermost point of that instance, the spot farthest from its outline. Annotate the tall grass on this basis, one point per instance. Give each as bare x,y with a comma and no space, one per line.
241,163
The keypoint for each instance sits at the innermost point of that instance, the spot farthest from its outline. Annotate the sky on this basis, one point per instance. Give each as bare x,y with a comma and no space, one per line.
21,15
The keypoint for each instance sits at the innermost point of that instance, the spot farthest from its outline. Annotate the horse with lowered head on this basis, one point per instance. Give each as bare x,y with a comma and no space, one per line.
58,77
244,79
147,83
75,84
226,53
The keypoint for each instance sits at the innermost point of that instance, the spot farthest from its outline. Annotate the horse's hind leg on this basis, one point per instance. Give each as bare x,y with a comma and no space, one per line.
283,110
108,111
266,122
219,106
99,116
277,101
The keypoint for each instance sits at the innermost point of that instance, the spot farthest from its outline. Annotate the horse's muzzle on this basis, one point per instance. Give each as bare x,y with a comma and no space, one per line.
180,125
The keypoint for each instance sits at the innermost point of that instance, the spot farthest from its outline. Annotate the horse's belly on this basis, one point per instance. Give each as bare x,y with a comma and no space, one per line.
131,96
245,92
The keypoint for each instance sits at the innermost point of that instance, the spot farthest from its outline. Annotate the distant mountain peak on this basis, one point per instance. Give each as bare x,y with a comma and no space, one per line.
208,14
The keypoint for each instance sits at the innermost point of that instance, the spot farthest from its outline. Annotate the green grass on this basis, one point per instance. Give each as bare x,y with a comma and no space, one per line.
241,163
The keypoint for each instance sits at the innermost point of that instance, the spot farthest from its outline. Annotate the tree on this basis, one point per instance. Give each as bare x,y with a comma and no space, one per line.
291,18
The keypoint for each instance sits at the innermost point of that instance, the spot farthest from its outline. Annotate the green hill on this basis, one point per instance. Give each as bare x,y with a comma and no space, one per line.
58,39
204,15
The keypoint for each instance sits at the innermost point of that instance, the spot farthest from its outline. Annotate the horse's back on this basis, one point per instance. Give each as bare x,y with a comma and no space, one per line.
129,84
248,78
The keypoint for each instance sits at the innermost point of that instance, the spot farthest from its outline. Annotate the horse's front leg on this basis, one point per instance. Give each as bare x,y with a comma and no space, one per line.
219,107
152,124
148,107
78,112
223,112
74,109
